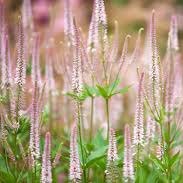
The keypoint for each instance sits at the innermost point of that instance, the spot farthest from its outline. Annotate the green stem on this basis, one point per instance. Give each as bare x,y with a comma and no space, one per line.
80,140
168,151
91,118
107,114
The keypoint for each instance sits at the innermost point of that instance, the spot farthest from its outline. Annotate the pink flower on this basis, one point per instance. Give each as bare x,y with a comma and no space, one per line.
75,170
128,167
138,134
46,174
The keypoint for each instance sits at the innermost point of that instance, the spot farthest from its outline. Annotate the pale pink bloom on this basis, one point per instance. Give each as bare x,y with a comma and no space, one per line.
128,167
6,62
123,58
27,14
136,53
112,154
21,65
68,22
20,77
173,34
115,45
150,129
172,76
36,73
138,134
93,39
35,126
154,70
75,169
77,80
46,174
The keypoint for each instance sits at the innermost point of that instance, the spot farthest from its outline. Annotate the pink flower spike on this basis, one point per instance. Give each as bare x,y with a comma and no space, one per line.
77,80
173,34
21,65
46,174
27,18
154,69
150,129
112,150
74,170
36,74
128,167
136,52
138,134
68,21
34,131
6,62
93,39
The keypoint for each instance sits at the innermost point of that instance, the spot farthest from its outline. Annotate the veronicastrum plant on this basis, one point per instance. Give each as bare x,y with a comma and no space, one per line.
84,148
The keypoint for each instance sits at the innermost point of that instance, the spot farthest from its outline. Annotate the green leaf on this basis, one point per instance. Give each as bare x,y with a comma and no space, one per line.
112,87
121,91
95,156
174,158
102,91
91,91
158,162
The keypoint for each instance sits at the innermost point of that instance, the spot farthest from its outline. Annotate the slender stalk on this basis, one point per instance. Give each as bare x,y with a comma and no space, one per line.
91,112
107,114
80,140
50,110
91,118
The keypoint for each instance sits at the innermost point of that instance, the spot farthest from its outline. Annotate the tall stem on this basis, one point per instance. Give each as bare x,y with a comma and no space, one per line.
91,118
107,114
80,140
168,151
50,110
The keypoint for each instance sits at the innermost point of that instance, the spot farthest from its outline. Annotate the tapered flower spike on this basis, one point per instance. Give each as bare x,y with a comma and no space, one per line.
34,131
27,14
6,64
93,39
46,174
115,45
101,19
138,134
150,130
128,167
77,80
36,74
154,70
20,77
50,82
136,52
170,68
112,150
68,22
6,71
75,169
123,55
173,34
112,173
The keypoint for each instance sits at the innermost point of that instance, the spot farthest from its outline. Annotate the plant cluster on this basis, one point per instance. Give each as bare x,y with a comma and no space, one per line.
85,147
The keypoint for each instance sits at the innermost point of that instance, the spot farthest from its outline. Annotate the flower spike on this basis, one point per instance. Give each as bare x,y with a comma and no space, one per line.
128,167
138,136
112,173
46,175
75,170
